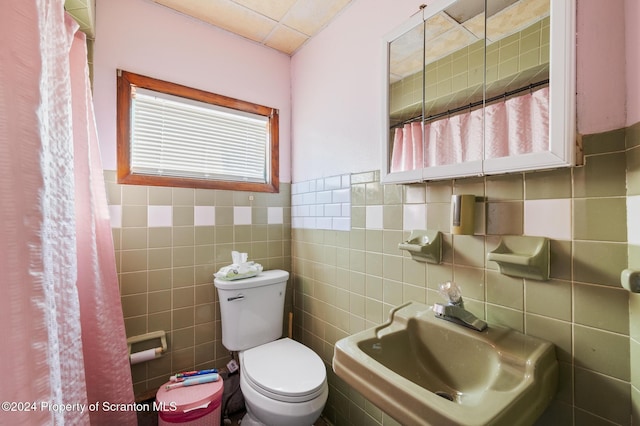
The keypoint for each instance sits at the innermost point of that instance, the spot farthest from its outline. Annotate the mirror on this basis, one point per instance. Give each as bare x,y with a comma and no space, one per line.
405,77
517,78
473,93
454,89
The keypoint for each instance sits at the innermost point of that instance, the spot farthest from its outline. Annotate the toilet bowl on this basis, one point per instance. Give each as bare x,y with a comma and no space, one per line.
284,383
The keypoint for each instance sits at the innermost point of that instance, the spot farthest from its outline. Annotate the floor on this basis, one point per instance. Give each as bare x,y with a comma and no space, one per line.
150,418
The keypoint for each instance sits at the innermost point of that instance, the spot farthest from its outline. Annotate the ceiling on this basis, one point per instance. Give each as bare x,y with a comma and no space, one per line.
461,25
283,25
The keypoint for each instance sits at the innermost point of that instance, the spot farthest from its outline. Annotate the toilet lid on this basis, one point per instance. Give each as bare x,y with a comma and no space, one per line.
284,370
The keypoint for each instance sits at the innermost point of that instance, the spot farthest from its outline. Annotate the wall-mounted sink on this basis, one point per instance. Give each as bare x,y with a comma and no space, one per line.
425,371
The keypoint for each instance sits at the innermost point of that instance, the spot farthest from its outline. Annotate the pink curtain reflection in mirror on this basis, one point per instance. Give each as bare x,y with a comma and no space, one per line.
515,126
407,153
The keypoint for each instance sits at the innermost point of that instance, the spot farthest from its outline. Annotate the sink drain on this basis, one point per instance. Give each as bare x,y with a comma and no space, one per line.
445,395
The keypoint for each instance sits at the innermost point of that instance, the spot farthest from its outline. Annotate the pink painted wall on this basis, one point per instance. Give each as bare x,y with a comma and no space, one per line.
170,46
632,33
337,80
600,57
329,93
337,91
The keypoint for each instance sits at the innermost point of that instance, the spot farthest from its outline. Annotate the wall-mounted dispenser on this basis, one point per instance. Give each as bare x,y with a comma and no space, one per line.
463,211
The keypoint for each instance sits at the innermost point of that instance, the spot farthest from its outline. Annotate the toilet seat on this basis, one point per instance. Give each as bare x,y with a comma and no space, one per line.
284,370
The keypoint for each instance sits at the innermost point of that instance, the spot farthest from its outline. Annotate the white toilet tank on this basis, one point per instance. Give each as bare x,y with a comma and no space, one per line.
252,309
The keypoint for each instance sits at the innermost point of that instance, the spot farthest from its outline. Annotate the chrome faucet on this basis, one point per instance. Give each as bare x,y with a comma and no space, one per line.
454,310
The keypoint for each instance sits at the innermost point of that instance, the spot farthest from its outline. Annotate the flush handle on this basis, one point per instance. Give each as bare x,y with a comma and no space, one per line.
239,297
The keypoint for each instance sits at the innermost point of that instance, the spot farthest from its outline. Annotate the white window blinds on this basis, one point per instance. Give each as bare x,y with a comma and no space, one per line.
180,137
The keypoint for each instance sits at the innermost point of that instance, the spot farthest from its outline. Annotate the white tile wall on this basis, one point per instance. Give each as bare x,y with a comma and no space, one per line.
323,203
333,209
416,194
324,197
341,223
204,215
374,217
333,182
548,218
162,216
115,216
633,224
159,216
342,195
414,216
324,222
242,215
275,215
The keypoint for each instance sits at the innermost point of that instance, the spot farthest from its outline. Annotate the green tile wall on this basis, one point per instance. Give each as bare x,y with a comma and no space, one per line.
633,190
166,273
345,282
458,77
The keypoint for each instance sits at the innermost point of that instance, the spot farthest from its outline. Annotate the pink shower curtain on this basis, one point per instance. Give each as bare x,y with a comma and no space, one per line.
408,145
519,125
63,340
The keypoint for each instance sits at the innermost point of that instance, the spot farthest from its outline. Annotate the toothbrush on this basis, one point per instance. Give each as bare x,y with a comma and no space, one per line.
181,376
203,378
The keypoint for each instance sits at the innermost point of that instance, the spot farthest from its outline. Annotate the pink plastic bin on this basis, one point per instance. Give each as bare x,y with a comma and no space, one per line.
197,405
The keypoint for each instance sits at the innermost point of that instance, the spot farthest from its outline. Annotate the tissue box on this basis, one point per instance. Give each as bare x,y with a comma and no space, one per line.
238,272
239,269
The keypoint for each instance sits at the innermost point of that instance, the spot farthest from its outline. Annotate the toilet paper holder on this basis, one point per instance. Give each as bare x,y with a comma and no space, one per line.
147,354
630,280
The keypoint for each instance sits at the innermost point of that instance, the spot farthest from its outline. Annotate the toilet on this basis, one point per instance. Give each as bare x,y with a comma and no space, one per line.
284,383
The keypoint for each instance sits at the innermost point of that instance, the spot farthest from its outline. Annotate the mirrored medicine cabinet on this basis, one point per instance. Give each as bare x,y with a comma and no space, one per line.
479,87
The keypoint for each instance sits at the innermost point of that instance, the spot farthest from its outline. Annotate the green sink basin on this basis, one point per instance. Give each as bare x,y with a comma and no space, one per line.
426,371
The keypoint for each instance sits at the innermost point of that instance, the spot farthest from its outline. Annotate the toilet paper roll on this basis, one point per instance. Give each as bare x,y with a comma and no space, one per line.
143,356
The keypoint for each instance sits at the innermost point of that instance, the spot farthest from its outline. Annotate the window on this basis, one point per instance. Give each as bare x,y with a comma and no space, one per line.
172,135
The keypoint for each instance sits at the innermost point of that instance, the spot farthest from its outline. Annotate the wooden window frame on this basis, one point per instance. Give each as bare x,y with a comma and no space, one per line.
127,81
